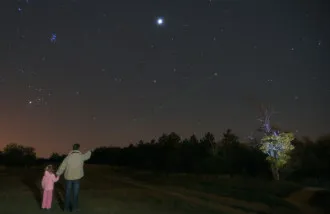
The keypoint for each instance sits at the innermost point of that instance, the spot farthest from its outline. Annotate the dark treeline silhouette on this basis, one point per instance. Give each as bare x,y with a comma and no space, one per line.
17,155
171,154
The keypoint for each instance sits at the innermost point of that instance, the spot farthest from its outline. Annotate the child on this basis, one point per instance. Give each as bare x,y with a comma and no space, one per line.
47,184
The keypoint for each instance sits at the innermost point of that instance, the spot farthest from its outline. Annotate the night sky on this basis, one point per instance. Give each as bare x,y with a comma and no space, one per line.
102,72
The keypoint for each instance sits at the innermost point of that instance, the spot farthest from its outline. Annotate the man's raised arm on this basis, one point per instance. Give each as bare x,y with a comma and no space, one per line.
87,155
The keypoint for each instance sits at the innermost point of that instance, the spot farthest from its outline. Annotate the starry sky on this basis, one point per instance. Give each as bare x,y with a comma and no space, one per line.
106,72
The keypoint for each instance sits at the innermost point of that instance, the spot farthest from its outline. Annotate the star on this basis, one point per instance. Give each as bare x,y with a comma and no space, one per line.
160,21
53,38
118,79
21,70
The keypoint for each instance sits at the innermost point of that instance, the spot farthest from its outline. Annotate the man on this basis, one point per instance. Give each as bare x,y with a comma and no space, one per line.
73,168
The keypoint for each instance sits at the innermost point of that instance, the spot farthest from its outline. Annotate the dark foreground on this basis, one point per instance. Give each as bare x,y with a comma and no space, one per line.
106,190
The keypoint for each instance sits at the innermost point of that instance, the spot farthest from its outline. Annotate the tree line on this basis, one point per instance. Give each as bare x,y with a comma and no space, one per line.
171,154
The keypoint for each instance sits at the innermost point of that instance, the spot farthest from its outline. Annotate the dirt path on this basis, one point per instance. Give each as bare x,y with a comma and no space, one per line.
219,203
301,200
194,200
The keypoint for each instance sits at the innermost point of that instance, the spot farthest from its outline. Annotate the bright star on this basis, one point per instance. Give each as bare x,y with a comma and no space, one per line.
160,21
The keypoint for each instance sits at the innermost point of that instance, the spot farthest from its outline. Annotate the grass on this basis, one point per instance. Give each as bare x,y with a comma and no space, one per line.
109,191
254,190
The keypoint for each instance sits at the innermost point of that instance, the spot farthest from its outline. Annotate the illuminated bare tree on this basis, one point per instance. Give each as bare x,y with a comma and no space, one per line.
274,144
266,114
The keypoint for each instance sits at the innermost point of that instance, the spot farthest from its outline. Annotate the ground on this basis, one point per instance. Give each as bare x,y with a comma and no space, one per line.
107,190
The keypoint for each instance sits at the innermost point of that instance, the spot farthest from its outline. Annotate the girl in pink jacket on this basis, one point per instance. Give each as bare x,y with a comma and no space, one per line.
47,184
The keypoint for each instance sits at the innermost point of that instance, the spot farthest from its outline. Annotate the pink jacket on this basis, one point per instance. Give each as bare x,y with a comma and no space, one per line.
48,181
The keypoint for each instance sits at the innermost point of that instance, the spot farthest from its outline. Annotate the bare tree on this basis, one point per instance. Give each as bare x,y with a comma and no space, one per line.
275,144
266,114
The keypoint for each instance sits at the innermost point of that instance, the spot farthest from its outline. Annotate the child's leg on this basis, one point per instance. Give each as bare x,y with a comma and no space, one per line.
44,199
49,199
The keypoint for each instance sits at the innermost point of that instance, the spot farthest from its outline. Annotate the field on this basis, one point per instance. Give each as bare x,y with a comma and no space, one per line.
106,190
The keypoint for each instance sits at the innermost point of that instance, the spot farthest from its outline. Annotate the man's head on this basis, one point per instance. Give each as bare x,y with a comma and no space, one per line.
76,146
